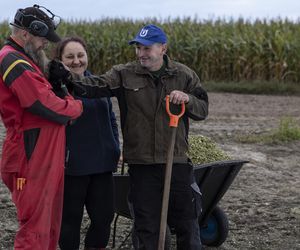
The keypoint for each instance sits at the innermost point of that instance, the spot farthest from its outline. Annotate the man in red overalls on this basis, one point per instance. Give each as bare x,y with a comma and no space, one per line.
32,164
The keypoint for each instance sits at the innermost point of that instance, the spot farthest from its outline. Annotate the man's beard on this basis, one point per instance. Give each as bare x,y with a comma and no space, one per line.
38,56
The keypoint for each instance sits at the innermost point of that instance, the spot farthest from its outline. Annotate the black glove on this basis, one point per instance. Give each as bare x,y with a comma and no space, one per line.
60,78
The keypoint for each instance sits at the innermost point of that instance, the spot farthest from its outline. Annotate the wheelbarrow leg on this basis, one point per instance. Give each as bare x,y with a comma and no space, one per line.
114,231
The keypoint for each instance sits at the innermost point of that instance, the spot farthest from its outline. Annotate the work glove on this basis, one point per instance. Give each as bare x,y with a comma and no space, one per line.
60,78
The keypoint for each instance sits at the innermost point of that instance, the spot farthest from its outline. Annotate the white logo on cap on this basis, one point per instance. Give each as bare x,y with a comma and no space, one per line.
143,32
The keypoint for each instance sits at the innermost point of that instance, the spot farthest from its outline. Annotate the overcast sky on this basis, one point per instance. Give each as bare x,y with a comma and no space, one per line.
204,9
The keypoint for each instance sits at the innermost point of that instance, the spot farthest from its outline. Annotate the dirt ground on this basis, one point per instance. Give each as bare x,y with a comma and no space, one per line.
262,204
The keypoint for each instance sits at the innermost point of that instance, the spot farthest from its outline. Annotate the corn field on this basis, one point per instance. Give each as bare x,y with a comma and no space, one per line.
227,51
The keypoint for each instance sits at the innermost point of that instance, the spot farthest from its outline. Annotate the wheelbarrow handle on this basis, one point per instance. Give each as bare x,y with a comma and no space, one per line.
174,118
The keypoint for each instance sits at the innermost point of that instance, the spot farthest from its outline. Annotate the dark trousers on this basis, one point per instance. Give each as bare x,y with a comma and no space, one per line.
146,191
96,193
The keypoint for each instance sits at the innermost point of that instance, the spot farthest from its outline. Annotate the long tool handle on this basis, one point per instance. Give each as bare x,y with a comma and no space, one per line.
166,194
168,173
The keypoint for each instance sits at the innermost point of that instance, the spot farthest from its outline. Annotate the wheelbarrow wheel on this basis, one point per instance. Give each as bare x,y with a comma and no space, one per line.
215,231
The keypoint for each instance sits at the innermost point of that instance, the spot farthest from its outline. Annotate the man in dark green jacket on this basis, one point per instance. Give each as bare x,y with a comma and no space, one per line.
141,88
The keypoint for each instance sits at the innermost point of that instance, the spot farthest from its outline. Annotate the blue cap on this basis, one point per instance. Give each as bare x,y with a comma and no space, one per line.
149,35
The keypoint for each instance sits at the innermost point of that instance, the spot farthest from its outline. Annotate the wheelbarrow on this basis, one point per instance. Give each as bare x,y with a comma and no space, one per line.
214,179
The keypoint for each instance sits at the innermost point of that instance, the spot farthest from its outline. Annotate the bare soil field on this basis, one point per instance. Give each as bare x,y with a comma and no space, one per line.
262,204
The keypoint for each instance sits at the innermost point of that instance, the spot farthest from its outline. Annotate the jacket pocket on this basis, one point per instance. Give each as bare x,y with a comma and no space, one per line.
135,85
30,139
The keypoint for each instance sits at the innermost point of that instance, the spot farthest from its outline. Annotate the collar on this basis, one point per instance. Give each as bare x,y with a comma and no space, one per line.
170,68
11,42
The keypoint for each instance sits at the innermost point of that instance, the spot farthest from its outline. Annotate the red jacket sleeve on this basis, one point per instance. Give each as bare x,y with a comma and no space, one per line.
34,91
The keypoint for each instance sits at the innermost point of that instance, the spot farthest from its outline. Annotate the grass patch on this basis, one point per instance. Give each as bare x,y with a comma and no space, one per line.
288,130
254,87
204,150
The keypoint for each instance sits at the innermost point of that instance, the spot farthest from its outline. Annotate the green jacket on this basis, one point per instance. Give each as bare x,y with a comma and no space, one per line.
144,121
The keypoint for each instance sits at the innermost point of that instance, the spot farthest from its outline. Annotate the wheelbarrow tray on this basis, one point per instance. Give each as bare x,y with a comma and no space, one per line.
214,179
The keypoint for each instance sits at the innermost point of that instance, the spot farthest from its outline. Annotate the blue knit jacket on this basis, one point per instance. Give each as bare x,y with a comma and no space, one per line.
92,142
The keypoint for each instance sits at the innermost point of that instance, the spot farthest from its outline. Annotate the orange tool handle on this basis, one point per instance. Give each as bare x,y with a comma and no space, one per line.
174,118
